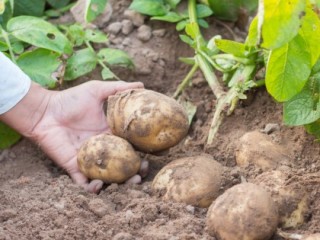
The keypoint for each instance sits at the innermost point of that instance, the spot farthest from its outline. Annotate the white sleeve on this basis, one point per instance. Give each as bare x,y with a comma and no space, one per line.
14,84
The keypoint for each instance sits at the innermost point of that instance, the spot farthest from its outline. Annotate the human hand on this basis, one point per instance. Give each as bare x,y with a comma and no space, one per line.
72,116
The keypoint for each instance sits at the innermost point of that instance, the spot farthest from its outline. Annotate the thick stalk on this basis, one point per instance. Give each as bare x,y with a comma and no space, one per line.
5,36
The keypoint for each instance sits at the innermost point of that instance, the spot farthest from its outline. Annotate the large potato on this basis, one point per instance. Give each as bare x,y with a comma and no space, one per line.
108,158
244,212
149,120
191,180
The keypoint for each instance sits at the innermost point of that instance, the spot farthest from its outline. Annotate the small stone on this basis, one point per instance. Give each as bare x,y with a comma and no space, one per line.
123,236
190,209
99,208
144,33
270,128
117,41
114,28
127,26
129,215
136,18
4,154
159,32
126,42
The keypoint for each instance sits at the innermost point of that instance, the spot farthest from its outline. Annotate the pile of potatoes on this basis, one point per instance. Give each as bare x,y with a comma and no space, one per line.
149,122
139,119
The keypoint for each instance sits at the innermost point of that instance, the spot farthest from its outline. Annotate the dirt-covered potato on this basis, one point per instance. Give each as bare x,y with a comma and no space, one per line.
191,180
108,158
243,212
149,120
289,195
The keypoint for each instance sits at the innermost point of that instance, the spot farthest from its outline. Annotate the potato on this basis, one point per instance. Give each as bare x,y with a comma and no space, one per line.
243,212
257,149
191,180
289,195
108,158
149,120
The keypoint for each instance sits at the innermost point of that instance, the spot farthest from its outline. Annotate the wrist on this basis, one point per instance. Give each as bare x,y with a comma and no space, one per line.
27,113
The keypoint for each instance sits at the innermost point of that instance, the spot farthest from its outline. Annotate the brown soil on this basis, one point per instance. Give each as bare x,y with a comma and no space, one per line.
39,201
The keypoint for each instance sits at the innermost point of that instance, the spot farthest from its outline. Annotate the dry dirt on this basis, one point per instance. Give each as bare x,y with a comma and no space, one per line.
39,201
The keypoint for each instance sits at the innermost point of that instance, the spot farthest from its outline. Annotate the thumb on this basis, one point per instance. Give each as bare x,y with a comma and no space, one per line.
105,89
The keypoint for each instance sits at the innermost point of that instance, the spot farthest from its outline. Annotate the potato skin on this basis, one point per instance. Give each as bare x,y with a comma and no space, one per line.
191,180
108,158
244,212
149,120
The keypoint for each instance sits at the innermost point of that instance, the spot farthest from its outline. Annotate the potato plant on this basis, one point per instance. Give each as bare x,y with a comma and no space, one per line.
282,41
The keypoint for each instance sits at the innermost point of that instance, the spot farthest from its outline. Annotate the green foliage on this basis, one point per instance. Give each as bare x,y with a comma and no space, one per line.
8,136
165,10
94,8
280,21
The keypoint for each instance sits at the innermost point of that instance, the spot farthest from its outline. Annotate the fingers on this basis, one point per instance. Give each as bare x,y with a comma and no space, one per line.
136,179
105,89
94,186
144,168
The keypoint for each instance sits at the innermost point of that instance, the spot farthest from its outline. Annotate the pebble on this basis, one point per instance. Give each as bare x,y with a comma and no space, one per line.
270,128
126,42
144,33
123,236
129,215
98,207
127,26
136,18
190,209
159,32
114,27
4,154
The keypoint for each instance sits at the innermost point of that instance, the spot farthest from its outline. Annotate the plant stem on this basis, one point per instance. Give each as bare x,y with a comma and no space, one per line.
186,80
260,82
4,34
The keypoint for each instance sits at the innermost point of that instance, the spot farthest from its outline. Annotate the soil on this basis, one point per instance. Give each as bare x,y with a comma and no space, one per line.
39,201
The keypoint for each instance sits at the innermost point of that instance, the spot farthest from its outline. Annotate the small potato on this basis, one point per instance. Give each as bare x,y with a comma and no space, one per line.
257,149
149,120
108,158
191,180
243,212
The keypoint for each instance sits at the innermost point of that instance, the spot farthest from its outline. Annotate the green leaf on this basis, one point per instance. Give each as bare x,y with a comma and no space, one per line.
115,57
169,17
149,7
281,20
96,36
173,3
39,65
288,69
203,23
6,15
228,46
17,47
30,8
106,74
203,11
39,33
225,10
3,46
8,136
58,3
76,34
94,8
186,39
2,6
314,129
192,29
80,63
253,37
310,32
303,108
181,25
